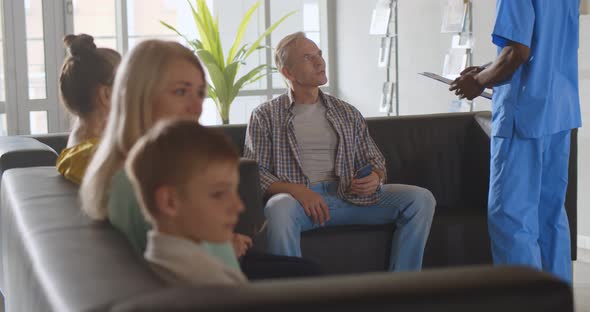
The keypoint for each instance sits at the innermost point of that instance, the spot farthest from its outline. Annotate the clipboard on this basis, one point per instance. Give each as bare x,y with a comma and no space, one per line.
448,81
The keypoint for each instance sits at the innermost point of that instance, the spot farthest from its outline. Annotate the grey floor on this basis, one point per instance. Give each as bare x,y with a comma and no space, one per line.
582,281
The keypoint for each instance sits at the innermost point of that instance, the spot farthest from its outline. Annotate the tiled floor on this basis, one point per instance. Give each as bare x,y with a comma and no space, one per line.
582,281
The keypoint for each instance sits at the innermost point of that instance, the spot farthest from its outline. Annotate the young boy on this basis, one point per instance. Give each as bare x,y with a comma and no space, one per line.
186,179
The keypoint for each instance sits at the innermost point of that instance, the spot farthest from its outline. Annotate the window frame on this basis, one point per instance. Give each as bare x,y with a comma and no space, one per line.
18,105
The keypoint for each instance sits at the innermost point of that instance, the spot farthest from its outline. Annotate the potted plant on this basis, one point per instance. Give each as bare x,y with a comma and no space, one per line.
225,84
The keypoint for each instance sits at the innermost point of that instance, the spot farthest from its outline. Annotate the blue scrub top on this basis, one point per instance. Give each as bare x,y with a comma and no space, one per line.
542,97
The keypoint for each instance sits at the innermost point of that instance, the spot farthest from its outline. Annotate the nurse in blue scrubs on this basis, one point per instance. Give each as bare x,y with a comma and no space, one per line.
535,106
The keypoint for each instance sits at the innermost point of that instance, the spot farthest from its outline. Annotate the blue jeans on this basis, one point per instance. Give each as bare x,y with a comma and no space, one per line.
526,215
411,208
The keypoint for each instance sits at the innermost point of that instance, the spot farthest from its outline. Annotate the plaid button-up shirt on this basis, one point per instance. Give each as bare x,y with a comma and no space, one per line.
270,140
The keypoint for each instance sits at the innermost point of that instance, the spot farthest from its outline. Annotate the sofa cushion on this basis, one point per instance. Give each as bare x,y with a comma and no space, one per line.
457,237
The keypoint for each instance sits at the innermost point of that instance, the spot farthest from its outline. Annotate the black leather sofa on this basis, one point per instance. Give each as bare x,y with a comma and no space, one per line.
447,154
56,259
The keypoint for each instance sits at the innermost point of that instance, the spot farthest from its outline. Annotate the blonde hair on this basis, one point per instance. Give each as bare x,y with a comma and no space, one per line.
282,49
181,149
138,81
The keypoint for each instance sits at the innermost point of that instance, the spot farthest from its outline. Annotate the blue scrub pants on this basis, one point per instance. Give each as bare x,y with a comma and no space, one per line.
526,216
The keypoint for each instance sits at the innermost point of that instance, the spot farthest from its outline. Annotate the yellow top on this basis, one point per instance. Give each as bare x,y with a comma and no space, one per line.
72,161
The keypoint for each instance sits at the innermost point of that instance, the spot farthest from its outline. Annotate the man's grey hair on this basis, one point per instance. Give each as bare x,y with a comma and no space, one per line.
282,49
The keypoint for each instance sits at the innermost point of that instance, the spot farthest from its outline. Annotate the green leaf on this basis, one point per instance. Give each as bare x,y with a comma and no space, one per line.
212,31
208,31
220,57
200,27
174,30
230,73
241,31
203,13
198,45
216,75
248,76
213,95
266,33
241,52
253,80
207,58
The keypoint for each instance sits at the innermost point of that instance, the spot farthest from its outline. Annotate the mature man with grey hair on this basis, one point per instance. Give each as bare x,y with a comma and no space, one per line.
309,147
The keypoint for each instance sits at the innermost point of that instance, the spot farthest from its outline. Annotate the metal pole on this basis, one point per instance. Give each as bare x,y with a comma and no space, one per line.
396,89
394,58
470,29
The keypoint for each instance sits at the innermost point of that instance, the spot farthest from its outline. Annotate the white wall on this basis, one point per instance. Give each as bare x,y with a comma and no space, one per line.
584,133
422,48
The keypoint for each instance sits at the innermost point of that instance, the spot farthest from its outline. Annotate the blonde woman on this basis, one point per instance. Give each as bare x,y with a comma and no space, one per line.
85,86
158,80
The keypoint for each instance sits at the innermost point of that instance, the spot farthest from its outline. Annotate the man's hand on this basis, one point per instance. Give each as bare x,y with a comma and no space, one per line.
467,86
472,70
365,186
241,244
475,79
314,205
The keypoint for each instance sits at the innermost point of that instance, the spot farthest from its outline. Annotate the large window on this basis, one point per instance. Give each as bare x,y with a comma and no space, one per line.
139,20
122,24
29,61
2,82
143,19
307,19
3,126
31,50
100,21
35,49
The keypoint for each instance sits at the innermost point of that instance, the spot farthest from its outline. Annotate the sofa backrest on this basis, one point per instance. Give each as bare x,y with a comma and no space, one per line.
447,154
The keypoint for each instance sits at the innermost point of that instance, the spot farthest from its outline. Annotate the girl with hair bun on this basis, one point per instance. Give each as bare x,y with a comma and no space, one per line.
85,86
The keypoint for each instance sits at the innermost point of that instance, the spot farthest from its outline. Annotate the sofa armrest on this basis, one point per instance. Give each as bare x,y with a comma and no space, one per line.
467,289
21,152
57,141
252,218
484,119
